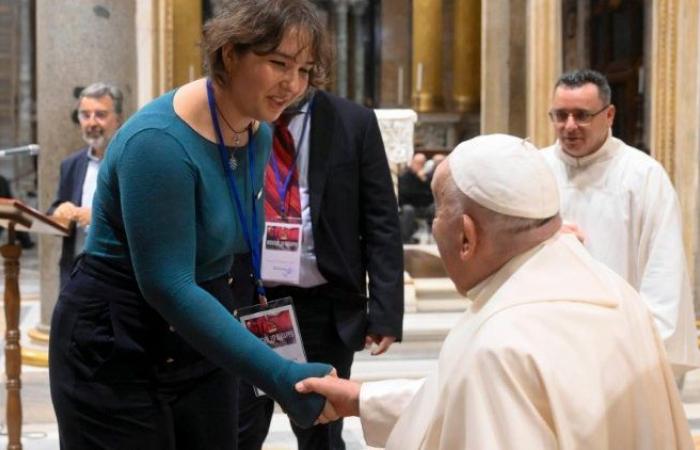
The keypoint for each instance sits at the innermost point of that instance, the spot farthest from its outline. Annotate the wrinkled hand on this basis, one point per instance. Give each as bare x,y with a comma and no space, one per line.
342,396
382,343
572,228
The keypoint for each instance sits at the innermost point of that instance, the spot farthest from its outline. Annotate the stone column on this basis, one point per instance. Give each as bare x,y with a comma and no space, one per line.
503,66
663,82
466,55
77,43
544,62
358,79
146,51
340,9
427,55
25,106
495,49
674,120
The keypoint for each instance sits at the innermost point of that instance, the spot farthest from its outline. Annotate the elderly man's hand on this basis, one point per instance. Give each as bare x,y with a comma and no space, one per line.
572,228
383,343
65,211
342,396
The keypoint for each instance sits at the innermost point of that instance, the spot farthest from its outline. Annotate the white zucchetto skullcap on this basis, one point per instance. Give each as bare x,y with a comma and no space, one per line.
505,174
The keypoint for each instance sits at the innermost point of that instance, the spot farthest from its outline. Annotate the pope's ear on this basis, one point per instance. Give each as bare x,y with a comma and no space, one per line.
469,238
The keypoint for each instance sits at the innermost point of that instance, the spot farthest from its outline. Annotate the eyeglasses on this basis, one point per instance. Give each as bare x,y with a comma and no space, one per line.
581,116
100,114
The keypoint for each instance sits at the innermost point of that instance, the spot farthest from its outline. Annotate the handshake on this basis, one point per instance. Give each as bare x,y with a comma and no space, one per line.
342,396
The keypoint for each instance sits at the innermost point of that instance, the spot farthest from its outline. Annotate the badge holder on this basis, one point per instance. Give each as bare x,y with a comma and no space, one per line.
276,326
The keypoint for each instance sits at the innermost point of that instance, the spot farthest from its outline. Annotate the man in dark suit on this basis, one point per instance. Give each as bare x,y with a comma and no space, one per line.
350,234
99,113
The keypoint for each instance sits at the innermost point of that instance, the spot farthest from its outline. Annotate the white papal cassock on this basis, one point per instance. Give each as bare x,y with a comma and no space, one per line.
556,352
625,204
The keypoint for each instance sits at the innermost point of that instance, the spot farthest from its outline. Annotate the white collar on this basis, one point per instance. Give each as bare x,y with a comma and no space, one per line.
606,151
92,156
485,289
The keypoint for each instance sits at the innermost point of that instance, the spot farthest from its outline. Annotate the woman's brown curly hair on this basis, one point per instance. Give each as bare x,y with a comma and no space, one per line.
259,26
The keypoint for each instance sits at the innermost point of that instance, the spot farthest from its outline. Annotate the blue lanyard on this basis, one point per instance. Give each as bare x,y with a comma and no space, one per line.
252,239
283,186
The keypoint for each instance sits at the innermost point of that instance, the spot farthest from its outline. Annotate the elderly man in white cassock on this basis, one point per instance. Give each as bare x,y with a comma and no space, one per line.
556,351
623,206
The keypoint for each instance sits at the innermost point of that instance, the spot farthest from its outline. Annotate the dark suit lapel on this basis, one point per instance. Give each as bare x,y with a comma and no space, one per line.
79,179
321,144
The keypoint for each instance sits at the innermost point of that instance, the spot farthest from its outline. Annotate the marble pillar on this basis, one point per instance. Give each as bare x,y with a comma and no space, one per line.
674,119
466,55
358,78
77,43
427,55
544,65
25,175
340,12
495,49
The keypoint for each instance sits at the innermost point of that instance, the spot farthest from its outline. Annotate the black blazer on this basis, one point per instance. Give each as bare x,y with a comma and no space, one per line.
355,219
70,189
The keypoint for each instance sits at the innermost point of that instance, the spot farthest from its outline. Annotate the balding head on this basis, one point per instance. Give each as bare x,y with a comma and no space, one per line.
418,162
495,198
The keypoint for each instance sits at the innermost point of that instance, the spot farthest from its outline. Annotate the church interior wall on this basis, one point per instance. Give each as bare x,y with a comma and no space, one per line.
504,60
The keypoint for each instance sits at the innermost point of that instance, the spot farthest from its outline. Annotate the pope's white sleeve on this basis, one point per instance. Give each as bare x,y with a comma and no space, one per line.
381,405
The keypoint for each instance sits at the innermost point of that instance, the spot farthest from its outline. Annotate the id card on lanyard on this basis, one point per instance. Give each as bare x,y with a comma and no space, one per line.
282,238
252,233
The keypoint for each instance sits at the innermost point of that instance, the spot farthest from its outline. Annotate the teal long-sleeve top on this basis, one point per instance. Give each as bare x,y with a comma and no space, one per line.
163,206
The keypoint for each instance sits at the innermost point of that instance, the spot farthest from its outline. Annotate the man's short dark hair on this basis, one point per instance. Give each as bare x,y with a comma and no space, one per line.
579,77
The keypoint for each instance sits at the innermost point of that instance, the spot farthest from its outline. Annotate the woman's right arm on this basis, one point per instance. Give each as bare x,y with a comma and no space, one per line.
157,185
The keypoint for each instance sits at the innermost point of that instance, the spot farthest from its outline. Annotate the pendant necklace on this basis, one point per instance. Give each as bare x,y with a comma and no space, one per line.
232,161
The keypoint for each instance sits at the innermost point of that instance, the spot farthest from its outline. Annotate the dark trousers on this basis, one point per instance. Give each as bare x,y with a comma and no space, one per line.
121,380
314,309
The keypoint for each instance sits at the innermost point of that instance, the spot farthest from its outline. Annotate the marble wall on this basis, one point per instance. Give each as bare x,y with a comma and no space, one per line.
78,42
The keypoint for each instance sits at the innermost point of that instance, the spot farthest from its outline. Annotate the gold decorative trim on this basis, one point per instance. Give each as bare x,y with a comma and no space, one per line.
36,358
544,57
426,92
38,336
186,34
162,46
663,117
466,55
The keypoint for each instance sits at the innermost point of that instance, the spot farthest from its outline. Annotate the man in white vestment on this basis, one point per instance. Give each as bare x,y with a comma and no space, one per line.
556,351
623,205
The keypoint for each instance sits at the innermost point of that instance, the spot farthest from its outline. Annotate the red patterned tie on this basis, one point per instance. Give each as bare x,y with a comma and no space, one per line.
284,155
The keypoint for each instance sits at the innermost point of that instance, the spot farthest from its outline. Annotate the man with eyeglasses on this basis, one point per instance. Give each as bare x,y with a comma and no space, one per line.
620,202
99,113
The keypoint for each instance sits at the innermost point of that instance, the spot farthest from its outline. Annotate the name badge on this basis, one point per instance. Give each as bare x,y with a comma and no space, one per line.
281,252
276,326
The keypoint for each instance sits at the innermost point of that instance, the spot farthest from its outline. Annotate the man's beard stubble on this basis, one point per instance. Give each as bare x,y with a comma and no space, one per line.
95,139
